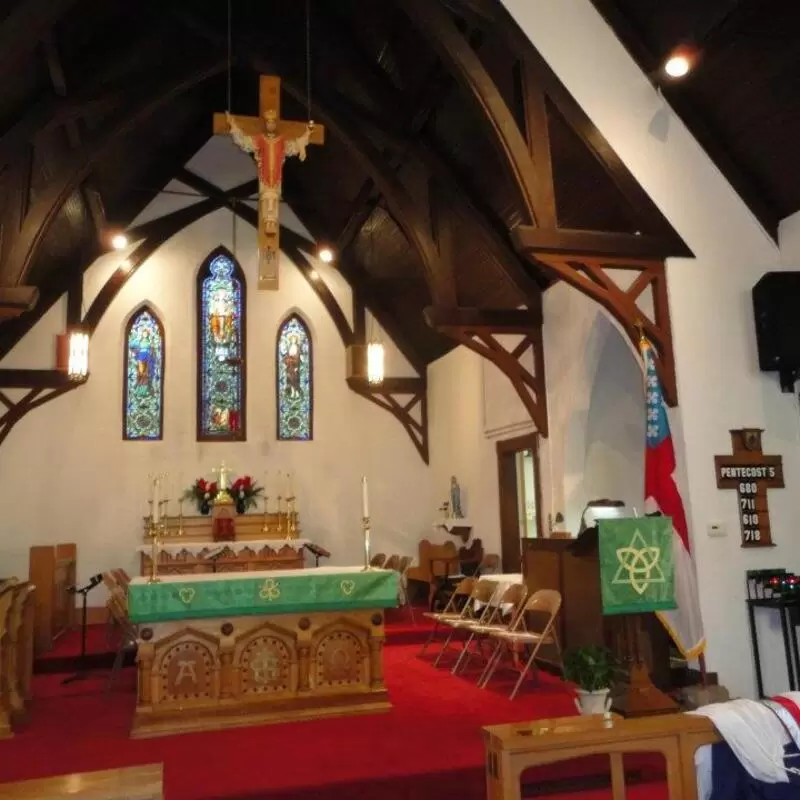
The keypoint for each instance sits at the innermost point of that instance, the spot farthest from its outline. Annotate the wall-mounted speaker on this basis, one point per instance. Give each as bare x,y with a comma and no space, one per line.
776,302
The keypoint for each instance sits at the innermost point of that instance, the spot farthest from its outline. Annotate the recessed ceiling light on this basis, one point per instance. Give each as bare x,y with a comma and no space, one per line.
314,275
325,254
119,241
677,65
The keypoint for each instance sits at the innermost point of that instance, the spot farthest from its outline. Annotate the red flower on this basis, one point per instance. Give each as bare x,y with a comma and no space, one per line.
247,481
202,485
212,488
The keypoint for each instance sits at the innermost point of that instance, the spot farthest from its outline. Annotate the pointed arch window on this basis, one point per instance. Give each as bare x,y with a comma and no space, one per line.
294,381
143,401
221,373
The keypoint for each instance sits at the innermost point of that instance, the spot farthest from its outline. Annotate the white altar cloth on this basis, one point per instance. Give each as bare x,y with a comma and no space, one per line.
175,546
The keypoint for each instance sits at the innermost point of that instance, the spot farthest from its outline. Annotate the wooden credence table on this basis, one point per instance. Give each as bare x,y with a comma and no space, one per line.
511,749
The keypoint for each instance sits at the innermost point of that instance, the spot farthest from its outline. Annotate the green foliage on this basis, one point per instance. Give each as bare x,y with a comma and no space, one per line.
591,668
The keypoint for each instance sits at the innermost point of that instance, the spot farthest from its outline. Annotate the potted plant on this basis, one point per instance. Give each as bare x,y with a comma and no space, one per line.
592,669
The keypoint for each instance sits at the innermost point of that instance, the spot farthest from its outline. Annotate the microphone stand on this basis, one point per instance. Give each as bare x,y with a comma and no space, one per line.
83,671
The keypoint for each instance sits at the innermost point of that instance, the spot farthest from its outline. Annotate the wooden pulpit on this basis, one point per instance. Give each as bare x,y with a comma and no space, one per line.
572,567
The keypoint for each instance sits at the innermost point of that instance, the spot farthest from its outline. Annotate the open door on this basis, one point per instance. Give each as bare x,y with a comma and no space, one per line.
520,496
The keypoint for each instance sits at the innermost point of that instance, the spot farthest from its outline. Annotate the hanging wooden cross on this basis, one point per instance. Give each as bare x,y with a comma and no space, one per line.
270,140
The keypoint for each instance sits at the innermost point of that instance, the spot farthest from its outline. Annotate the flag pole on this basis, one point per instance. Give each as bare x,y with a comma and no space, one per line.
701,658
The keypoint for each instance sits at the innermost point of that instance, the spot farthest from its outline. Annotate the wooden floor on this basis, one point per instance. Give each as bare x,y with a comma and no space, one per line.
133,783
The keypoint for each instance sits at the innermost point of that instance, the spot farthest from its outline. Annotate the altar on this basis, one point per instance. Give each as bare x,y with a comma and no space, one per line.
228,650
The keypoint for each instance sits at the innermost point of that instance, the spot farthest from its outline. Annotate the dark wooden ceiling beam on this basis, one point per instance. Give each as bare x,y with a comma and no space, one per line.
140,104
593,243
434,23
679,97
501,320
33,378
358,280
17,300
25,26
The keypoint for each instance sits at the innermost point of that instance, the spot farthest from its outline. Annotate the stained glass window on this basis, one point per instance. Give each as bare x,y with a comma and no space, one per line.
221,367
295,381
143,408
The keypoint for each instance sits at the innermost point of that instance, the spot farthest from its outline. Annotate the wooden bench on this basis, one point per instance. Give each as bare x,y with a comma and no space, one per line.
134,783
511,749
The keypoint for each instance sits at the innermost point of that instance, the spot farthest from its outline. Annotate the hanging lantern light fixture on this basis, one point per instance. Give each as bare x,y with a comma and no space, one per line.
78,363
375,362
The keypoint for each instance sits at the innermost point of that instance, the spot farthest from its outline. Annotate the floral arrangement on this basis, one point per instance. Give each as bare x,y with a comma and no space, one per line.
201,492
245,491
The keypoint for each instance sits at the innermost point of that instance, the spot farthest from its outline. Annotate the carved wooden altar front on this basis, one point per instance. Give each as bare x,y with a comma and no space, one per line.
220,673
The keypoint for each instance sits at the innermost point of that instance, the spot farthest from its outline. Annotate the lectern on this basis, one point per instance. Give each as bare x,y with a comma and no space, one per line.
572,567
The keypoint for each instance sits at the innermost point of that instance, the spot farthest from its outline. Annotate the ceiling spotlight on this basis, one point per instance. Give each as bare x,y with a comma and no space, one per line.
677,65
325,255
119,241
314,275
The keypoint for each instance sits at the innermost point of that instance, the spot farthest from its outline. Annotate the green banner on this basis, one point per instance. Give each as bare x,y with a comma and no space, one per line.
637,570
302,592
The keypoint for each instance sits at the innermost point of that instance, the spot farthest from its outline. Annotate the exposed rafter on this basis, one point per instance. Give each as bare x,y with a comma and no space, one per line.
139,104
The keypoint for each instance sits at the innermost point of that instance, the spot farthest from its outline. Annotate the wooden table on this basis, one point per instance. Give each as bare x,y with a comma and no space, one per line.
133,783
227,650
511,749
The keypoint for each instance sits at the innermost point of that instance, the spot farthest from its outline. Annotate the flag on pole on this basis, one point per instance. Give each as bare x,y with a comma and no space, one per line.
661,493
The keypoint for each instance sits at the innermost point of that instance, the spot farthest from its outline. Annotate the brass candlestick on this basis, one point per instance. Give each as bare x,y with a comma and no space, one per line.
280,526
265,526
180,517
365,525
291,532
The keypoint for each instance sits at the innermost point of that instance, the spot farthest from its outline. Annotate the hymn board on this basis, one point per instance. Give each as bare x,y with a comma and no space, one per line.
750,473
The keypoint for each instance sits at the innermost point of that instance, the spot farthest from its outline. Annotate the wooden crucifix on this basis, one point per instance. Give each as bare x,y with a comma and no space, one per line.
270,140
750,473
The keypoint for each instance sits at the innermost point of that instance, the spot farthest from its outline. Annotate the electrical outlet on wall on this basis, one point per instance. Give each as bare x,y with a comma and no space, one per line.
716,529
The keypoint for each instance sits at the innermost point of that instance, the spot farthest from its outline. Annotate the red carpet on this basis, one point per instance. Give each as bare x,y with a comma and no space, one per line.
429,746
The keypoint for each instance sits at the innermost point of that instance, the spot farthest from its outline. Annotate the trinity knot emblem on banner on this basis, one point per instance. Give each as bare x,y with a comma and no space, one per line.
639,565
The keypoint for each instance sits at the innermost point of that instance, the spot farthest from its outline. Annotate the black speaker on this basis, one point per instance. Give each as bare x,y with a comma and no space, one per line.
776,302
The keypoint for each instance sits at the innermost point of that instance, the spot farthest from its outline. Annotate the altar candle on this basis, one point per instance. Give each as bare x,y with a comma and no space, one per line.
155,501
289,492
364,497
278,485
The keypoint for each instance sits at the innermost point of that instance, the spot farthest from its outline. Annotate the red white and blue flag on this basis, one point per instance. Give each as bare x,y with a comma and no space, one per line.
661,493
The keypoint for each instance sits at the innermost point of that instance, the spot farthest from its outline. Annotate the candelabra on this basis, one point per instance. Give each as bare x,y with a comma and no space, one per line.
154,528
280,520
367,557
291,531
265,526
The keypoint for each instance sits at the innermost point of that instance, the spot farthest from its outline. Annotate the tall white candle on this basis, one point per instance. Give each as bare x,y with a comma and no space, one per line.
364,497
155,501
289,488
278,485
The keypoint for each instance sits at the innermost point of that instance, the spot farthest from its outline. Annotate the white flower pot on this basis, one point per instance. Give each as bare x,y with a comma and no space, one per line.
589,703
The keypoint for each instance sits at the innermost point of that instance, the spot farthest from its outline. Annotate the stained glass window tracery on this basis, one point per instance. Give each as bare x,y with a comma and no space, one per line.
143,407
221,362
294,381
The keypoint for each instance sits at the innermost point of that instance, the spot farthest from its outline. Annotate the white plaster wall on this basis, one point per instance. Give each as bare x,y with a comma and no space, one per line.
67,475
718,379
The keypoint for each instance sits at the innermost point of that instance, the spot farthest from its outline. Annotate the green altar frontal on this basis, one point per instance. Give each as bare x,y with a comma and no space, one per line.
273,592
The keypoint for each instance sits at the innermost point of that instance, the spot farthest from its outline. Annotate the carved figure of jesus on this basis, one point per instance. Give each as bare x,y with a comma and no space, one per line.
270,150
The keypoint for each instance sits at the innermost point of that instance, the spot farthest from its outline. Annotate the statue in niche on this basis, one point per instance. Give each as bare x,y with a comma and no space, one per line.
455,499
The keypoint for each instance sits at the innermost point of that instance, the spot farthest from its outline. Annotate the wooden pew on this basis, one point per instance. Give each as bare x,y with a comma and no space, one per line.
134,783
511,749
7,594
16,652
52,571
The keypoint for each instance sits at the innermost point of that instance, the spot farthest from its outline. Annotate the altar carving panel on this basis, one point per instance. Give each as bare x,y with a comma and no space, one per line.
340,659
215,673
